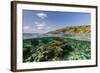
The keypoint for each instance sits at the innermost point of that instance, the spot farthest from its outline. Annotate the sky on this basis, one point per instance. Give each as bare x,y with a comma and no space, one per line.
34,21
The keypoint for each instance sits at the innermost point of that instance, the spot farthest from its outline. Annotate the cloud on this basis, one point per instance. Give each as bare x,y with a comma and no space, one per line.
40,26
26,27
48,27
41,15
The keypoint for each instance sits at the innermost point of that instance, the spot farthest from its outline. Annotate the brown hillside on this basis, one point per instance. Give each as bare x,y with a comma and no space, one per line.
73,29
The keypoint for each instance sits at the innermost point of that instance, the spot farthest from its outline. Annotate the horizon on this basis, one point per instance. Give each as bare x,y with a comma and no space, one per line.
61,28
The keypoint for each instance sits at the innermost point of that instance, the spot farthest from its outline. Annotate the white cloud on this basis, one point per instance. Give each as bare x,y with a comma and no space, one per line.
48,27
41,15
36,23
26,27
40,26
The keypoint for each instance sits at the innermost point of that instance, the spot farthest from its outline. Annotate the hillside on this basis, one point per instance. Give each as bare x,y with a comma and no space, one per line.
72,30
